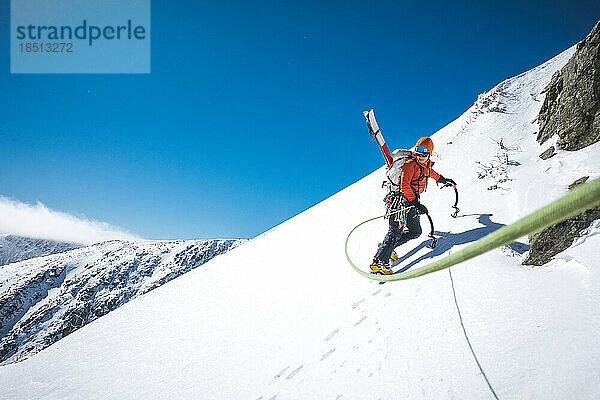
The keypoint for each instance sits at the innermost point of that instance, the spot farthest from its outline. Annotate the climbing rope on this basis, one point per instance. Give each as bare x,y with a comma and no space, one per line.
577,201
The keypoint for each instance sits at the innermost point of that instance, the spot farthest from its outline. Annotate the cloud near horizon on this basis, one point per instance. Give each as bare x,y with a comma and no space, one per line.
39,222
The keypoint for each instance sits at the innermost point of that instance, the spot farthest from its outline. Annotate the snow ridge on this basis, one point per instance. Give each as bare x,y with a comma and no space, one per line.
17,248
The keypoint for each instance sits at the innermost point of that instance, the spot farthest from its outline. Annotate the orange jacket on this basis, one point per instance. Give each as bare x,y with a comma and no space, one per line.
413,180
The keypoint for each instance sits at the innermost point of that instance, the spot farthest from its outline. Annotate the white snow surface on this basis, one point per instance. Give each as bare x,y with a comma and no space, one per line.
285,317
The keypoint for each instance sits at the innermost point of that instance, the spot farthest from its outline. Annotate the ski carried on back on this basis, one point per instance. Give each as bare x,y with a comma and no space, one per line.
376,133
394,160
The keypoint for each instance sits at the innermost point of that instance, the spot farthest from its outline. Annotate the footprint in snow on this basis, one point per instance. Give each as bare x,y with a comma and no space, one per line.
332,334
324,356
360,321
294,372
358,303
376,292
280,373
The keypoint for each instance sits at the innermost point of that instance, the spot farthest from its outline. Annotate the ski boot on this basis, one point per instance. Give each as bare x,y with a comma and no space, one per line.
393,257
378,267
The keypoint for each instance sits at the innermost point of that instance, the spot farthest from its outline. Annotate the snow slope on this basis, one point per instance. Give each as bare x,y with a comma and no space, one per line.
285,317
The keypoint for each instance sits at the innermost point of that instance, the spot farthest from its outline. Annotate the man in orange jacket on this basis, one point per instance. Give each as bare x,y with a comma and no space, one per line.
413,182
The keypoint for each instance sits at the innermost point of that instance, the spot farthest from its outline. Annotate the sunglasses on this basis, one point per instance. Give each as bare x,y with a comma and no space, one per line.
422,151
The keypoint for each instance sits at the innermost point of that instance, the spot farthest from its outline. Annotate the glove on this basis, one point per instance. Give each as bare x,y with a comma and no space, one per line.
446,181
421,209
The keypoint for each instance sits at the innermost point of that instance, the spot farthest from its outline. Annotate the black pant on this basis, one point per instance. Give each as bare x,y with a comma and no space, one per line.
395,237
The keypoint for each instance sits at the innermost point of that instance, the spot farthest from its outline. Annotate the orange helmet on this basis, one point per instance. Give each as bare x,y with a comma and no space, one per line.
427,142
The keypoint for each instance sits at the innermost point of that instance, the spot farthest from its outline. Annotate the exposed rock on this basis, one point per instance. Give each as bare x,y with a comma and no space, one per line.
557,238
548,153
578,182
572,105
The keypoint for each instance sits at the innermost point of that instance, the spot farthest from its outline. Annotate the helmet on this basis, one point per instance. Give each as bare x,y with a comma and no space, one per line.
424,145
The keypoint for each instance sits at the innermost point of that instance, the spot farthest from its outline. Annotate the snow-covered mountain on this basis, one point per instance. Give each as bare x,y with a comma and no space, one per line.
45,299
285,317
15,248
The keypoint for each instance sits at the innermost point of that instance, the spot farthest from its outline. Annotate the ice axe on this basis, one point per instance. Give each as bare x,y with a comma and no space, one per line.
433,238
456,209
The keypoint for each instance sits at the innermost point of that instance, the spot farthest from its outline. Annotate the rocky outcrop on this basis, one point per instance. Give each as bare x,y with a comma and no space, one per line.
16,248
45,299
557,238
571,109
548,153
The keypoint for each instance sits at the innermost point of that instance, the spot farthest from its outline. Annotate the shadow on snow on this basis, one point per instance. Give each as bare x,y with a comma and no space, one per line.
447,240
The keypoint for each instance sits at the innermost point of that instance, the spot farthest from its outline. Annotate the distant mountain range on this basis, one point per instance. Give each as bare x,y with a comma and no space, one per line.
17,248
59,287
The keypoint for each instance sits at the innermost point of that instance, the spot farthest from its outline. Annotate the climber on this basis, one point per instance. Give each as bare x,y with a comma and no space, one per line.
406,208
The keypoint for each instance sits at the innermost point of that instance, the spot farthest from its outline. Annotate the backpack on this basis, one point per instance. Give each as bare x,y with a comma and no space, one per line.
399,157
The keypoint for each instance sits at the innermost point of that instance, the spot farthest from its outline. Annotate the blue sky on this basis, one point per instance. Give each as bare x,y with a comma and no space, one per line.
252,112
